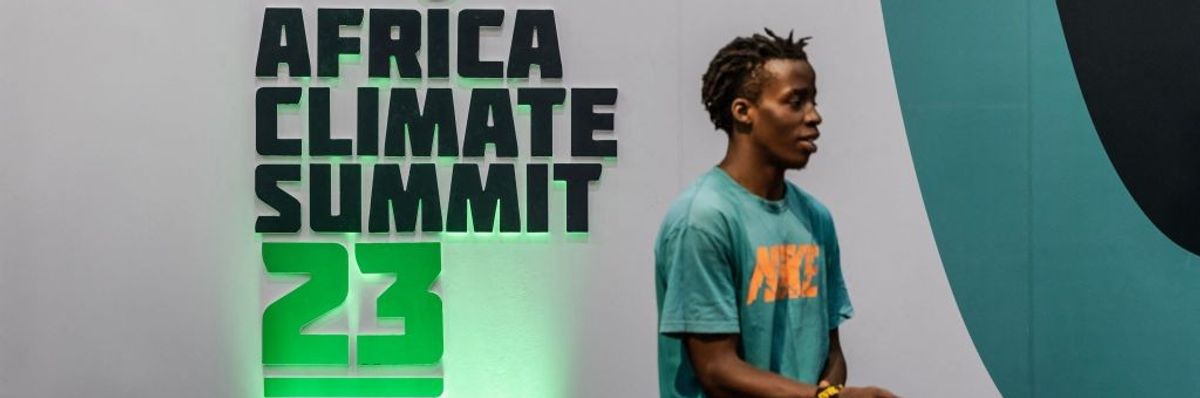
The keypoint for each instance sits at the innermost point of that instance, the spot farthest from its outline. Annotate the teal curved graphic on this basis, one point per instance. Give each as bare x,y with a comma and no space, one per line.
1066,287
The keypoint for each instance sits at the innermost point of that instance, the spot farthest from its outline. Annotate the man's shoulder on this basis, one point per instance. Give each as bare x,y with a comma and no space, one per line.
702,205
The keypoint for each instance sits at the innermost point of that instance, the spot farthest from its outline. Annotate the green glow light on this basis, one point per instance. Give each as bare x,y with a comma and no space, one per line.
352,59
331,82
240,299
473,234
473,82
353,304
577,236
353,387
288,108
510,318
526,108
380,82
455,235
389,82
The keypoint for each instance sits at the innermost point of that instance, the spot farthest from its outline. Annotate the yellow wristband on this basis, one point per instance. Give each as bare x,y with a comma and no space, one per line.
830,392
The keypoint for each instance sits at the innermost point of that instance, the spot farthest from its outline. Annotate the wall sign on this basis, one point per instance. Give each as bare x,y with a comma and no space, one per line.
406,132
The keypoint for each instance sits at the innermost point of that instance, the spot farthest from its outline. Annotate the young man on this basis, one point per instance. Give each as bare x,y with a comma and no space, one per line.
749,284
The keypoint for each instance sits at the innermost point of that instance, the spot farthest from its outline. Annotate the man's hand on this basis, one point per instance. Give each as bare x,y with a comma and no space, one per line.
865,392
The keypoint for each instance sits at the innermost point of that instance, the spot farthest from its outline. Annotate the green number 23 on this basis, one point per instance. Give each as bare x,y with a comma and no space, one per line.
416,267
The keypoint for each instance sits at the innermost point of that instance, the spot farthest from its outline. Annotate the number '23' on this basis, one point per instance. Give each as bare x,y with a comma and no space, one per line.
416,267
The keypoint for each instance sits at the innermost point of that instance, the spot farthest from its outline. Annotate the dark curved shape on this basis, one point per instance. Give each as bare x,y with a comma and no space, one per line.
1138,65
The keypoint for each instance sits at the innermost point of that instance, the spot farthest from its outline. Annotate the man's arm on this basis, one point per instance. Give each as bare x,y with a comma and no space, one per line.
835,365
723,374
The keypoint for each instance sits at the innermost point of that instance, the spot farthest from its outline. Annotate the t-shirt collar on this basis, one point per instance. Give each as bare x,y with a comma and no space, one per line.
773,206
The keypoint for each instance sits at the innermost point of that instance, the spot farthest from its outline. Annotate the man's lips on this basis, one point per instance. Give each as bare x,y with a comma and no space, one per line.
808,143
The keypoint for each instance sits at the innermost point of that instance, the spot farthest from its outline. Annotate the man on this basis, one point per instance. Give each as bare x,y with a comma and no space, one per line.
749,284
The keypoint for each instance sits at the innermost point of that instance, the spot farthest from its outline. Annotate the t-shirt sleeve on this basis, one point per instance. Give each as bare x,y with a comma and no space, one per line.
699,296
838,298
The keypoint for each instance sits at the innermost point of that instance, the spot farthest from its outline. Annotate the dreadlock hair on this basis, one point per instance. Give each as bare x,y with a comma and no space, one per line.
736,72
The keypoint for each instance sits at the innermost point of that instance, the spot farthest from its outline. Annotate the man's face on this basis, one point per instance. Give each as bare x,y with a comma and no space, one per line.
784,119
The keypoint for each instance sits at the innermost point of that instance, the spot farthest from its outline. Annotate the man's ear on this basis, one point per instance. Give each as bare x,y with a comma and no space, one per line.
743,112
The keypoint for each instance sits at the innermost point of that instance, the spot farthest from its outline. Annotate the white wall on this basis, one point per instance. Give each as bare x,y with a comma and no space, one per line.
129,266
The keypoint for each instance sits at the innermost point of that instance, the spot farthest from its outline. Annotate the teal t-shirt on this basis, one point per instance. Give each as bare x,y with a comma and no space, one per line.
728,261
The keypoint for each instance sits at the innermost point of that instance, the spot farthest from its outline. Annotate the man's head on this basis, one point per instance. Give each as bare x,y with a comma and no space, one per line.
762,91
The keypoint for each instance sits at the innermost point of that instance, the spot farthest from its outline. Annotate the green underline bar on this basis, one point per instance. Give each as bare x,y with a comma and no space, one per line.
352,386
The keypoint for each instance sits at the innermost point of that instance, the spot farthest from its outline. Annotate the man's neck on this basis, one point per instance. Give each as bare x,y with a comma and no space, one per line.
756,176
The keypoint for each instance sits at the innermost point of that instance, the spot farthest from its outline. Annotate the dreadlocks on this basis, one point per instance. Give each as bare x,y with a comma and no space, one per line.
735,72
